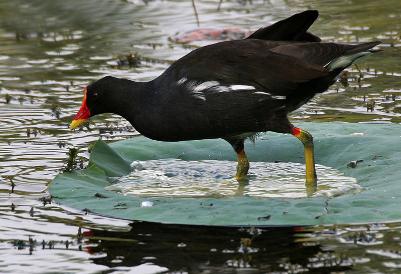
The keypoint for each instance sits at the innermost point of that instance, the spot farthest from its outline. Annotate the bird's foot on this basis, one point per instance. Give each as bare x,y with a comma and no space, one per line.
310,185
242,178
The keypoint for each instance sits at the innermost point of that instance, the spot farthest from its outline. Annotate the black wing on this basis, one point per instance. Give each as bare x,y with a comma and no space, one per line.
321,53
228,88
246,62
242,86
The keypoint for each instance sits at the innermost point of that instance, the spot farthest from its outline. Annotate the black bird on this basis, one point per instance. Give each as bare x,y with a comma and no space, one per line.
231,90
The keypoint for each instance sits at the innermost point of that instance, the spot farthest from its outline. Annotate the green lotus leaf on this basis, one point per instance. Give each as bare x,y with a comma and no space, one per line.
370,153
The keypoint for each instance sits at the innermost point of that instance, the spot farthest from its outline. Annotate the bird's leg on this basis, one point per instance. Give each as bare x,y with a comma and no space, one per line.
307,140
242,160
242,165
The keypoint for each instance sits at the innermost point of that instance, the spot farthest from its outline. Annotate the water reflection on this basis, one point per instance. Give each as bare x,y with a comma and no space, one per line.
197,249
145,247
188,249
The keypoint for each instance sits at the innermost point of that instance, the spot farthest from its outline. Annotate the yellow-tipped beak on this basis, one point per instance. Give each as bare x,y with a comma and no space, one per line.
76,123
83,114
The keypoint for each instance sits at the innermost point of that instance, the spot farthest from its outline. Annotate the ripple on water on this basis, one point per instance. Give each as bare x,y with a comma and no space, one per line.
211,178
59,53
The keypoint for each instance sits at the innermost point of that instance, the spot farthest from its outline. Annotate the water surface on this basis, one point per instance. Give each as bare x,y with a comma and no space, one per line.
214,178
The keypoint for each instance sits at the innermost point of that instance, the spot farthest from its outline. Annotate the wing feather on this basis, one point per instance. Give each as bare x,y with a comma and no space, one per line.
247,62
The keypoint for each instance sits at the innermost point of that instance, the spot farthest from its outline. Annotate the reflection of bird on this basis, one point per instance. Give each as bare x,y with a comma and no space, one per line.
232,89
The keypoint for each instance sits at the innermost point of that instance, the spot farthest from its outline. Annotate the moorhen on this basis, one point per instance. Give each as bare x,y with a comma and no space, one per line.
231,90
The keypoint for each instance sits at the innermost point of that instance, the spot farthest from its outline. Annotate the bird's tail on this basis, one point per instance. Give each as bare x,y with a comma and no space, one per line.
293,28
358,51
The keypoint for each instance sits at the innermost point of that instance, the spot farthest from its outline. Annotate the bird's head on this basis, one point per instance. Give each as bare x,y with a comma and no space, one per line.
98,99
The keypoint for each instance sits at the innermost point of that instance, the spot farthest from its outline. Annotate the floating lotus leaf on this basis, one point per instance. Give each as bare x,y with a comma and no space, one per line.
359,170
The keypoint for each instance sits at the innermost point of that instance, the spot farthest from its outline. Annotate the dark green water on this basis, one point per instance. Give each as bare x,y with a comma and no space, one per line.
50,49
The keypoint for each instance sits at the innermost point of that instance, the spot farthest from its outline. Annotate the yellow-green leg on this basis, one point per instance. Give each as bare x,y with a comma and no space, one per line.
242,165
307,140
242,160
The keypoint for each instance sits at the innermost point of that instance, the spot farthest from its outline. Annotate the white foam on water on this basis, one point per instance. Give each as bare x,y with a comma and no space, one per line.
212,178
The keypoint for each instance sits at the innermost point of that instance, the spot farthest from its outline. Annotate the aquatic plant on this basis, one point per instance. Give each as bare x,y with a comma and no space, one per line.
370,105
131,60
8,98
72,159
10,178
56,110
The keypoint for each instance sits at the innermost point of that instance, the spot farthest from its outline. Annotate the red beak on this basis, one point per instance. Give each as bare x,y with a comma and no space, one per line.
83,114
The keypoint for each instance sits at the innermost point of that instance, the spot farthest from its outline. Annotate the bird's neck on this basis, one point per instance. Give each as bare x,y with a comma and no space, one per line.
131,99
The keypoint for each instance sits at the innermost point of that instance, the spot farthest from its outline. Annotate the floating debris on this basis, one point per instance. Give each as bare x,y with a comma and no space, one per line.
210,34
264,218
206,205
20,244
56,110
79,233
344,79
81,164
61,144
46,200
32,244
8,98
100,195
146,204
131,60
353,164
370,105
12,184
120,206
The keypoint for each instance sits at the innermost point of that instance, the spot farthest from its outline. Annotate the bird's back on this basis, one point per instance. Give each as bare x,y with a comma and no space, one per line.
242,86
246,85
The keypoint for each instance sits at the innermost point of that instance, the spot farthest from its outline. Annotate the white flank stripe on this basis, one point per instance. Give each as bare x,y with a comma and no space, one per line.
241,87
279,97
206,85
262,93
221,89
191,85
182,81
200,96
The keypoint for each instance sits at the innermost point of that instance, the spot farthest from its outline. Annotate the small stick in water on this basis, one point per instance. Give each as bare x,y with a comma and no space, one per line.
196,13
